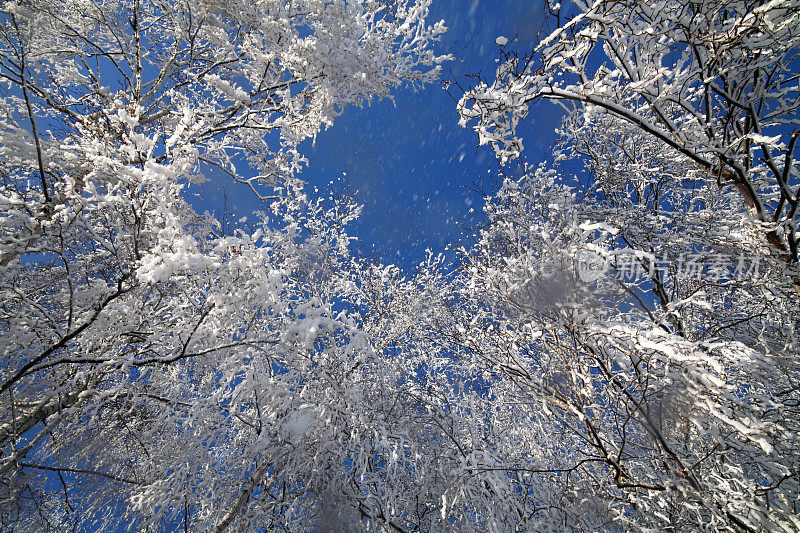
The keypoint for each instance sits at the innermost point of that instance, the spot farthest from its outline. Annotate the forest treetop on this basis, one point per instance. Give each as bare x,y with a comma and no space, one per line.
616,349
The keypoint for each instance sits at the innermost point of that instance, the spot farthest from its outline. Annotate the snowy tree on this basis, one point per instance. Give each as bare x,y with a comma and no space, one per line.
635,300
156,370
617,349
715,81
667,398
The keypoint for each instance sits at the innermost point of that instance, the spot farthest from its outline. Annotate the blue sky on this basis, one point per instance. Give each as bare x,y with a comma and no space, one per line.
409,160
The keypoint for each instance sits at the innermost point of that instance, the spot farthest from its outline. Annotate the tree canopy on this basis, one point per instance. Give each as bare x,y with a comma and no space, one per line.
615,349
